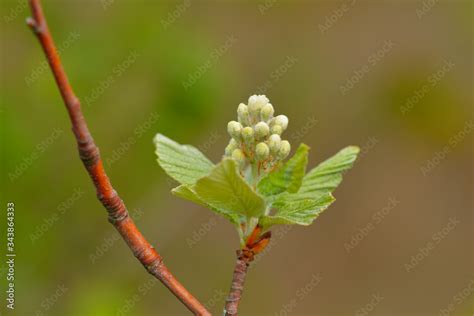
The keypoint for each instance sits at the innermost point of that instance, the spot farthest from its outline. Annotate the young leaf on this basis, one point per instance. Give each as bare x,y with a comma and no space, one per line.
224,188
314,195
184,163
186,192
288,177
296,209
328,175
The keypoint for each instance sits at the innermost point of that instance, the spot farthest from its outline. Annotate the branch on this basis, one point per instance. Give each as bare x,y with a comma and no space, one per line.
89,154
255,244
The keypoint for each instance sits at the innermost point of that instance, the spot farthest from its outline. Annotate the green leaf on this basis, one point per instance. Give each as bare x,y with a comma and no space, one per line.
225,189
296,209
186,192
328,175
288,177
314,195
184,163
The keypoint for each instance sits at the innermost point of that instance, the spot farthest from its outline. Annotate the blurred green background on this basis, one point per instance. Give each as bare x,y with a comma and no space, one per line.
394,77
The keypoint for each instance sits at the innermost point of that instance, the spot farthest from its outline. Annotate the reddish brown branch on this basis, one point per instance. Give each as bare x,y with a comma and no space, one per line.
89,154
255,244
238,279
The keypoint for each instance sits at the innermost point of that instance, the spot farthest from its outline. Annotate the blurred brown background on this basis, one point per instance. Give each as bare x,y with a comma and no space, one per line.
394,77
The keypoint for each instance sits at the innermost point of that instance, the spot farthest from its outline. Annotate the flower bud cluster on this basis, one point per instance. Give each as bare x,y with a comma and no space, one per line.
256,135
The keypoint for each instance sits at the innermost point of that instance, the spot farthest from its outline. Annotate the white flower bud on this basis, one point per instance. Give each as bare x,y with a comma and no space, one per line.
285,149
253,105
261,130
262,151
228,150
234,128
263,99
274,142
256,102
247,134
267,112
276,129
242,108
238,156
231,146
243,114
281,120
